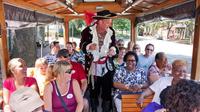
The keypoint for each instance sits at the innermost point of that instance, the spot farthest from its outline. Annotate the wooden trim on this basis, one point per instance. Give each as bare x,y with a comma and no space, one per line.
3,42
45,5
150,2
163,5
29,6
56,9
196,46
133,32
142,7
66,33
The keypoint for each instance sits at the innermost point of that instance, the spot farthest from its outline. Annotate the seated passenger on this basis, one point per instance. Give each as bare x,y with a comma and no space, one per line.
41,65
118,61
183,97
51,57
130,46
161,68
129,78
146,59
17,79
79,73
137,49
120,43
179,71
63,94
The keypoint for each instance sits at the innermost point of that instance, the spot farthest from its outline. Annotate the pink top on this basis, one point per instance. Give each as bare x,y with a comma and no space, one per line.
69,99
9,83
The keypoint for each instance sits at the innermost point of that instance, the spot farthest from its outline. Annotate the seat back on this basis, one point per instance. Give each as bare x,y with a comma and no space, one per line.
129,102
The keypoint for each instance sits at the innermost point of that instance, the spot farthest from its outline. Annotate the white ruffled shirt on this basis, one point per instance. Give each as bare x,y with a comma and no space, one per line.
98,53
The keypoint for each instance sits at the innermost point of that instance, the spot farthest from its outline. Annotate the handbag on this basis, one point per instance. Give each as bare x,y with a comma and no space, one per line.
61,99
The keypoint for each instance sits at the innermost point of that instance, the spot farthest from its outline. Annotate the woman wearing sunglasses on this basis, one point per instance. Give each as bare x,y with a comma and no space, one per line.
63,94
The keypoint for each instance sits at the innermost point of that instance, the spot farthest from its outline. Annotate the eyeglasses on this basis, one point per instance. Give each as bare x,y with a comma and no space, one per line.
131,60
149,49
120,44
67,56
136,48
69,71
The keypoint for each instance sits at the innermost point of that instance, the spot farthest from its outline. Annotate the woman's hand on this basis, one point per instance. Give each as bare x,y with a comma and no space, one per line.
140,101
135,88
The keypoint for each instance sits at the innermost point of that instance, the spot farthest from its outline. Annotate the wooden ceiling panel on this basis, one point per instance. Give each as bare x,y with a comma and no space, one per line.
30,6
61,10
54,6
132,11
114,7
41,2
165,4
59,7
145,4
58,10
157,1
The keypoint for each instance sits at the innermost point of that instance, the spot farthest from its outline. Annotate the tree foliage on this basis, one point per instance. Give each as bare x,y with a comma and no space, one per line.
122,27
75,27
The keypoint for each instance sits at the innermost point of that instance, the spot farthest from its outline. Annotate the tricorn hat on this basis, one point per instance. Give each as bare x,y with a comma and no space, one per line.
104,14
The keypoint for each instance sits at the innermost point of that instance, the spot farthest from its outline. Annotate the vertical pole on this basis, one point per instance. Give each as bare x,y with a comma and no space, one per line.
66,26
133,28
196,47
3,42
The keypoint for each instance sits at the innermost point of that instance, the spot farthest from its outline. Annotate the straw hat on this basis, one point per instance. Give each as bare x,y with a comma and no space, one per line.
25,99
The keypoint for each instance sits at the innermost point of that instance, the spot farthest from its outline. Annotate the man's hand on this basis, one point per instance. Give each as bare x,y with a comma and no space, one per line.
93,46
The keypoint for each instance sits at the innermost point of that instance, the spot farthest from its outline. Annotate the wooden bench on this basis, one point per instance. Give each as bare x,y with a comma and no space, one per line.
129,102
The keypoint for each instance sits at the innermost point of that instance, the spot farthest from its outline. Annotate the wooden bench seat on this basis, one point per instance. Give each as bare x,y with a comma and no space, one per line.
129,102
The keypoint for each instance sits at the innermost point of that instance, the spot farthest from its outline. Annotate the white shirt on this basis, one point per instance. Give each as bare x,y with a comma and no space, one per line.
158,86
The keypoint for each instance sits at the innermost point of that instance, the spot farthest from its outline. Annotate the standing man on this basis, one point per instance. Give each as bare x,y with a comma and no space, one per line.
95,42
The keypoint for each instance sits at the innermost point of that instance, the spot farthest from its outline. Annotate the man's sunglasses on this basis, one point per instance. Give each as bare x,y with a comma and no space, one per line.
67,56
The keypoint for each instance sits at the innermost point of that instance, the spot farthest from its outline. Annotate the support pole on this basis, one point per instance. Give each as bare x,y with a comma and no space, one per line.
196,47
66,26
3,42
133,28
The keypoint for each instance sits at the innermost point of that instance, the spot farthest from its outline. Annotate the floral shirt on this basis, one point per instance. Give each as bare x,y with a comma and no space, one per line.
125,77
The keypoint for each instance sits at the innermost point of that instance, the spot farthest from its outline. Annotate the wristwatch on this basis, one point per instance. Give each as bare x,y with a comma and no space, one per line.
141,86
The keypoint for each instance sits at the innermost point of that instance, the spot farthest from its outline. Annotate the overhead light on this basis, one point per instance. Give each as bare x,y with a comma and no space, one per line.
99,7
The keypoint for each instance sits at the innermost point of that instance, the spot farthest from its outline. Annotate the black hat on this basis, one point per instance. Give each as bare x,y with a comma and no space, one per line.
104,14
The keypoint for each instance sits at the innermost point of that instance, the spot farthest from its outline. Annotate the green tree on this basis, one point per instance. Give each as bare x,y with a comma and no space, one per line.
75,27
122,27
